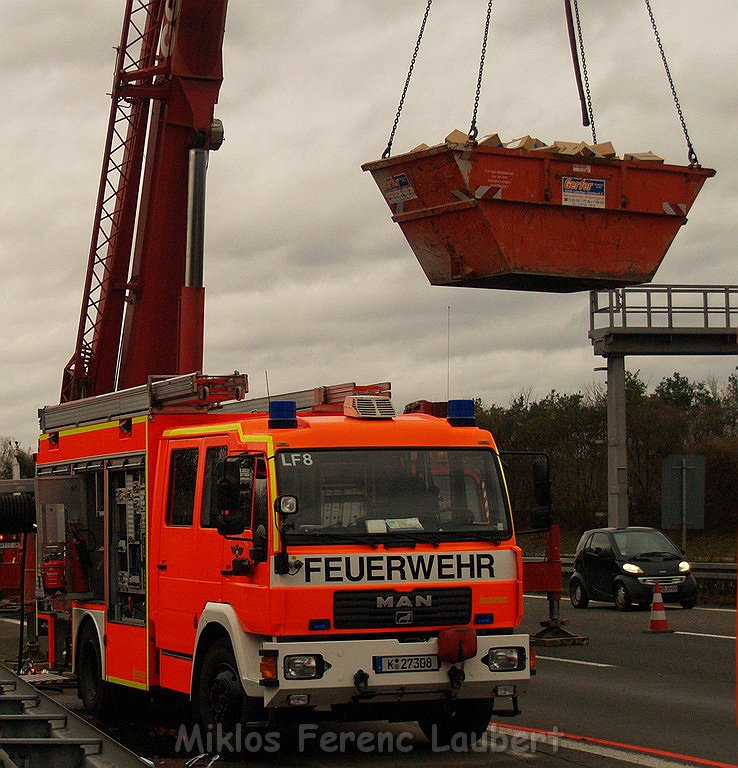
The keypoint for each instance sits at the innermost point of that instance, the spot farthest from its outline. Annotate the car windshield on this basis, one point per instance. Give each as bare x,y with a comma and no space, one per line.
413,494
644,543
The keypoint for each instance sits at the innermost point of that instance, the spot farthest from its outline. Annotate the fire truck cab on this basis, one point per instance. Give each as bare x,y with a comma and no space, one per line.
342,562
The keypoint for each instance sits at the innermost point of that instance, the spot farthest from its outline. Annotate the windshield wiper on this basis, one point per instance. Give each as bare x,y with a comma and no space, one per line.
493,536
396,537
658,554
336,536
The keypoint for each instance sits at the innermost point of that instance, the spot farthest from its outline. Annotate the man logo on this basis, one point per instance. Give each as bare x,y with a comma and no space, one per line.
405,601
403,617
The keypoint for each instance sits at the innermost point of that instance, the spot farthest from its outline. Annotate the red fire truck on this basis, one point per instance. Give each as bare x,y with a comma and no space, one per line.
313,556
297,561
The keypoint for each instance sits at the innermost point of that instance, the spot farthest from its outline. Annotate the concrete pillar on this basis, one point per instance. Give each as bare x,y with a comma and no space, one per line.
617,450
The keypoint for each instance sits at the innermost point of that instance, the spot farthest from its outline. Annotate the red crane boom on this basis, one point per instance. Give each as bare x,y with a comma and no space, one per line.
143,306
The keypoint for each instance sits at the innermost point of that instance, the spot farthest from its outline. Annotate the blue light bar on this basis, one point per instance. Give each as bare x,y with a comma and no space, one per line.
282,414
461,413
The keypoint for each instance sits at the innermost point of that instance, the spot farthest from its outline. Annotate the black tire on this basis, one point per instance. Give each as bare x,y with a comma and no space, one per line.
98,696
623,601
219,693
468,717
578,594
688,603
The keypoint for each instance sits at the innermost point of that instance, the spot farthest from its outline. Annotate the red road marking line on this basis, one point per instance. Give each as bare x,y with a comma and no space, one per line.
619,745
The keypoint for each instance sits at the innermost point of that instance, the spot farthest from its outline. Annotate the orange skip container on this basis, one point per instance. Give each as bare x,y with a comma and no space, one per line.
488,217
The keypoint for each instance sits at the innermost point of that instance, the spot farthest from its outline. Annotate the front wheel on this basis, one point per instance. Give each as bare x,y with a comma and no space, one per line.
578,594
220,695
622,597
688,603
466,720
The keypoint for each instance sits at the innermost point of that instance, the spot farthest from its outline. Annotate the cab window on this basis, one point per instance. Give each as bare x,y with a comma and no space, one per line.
214,458
182,484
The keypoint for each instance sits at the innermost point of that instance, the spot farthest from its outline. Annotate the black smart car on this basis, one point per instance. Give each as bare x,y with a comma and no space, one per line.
622,565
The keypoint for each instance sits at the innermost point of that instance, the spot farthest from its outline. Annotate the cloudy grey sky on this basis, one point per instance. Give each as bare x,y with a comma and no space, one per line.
306,275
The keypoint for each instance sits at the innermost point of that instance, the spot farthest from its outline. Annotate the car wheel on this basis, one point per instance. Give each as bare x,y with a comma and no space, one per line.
688,603
578,594
622,597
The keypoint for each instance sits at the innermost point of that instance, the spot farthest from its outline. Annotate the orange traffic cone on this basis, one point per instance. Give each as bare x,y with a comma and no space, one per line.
658,615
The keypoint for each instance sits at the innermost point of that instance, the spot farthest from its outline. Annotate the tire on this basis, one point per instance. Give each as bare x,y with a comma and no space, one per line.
467,719
220,696
98,696
622,597
688,603
578,594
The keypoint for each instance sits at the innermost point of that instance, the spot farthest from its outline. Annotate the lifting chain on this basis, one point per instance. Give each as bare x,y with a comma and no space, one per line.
590,110
388,150
473,131
691,154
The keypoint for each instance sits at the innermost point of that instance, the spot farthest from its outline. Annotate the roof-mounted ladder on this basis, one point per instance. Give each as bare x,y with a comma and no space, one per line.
191,392
328,399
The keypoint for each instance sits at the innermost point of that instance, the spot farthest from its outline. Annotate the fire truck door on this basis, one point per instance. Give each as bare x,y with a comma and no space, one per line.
190,554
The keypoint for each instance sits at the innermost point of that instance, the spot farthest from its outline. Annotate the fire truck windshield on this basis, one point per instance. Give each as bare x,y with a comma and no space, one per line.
416,494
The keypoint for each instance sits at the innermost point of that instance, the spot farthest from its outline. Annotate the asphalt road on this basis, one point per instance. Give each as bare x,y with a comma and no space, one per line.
672,691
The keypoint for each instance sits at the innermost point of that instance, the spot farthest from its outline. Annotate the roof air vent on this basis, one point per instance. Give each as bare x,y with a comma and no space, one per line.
366,407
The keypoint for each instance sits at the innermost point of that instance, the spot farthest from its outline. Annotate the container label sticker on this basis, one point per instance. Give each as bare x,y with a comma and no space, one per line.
586,193
398,188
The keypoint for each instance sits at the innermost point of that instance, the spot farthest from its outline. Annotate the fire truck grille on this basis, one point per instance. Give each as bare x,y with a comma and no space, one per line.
385,608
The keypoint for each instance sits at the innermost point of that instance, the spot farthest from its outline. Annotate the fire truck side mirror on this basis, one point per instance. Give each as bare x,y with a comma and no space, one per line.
542,481
541,514
540,517
232,519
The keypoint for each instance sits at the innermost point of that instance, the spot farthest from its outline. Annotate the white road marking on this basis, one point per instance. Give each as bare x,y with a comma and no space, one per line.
575,661
676,607
705,634
717,610
558,742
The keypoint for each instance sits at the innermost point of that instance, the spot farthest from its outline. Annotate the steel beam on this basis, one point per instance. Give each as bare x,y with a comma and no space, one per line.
617,450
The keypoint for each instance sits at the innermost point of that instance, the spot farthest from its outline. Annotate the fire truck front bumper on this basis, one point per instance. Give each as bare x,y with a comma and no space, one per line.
316,674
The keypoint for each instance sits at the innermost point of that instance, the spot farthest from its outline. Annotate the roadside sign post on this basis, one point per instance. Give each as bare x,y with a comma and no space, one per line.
683,494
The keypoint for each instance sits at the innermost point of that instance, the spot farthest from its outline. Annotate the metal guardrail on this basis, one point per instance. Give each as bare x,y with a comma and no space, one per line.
37,732
665,307
718,571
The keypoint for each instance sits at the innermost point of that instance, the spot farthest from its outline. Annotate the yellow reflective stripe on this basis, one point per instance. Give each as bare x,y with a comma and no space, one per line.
129,683
214,429
94,427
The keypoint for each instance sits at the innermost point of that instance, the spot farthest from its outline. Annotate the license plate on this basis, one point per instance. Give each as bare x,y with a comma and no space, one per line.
670,588
422,663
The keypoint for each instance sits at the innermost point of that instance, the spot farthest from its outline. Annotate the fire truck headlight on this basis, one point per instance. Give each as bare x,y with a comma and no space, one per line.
505,659
303,667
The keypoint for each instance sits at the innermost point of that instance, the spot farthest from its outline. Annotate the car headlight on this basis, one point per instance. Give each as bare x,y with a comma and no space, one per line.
632,568
505,659
685,567
303,667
